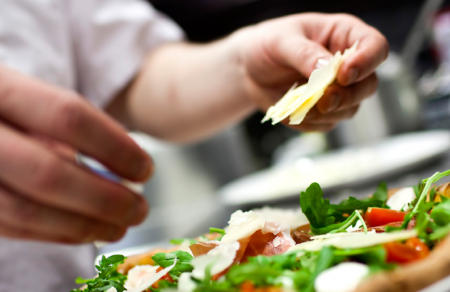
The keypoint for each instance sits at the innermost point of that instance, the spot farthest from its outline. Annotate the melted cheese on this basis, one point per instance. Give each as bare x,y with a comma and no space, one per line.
297,102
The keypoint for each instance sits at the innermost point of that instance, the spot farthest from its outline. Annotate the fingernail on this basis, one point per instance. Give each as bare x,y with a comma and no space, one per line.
322,62
334,102
352,75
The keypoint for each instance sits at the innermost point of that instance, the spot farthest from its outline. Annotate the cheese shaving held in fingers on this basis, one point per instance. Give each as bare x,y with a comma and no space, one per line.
297,102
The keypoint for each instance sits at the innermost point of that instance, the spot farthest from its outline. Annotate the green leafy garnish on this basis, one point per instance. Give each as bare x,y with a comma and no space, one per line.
317,210
441,213
217,230
182,265
178,241
108,276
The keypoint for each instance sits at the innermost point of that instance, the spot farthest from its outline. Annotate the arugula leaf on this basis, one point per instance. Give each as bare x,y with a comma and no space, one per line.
108,276
440,233
324,261
441,213
178,241
348,206
217,230
164,285
424,189
381,193
183,262
315,207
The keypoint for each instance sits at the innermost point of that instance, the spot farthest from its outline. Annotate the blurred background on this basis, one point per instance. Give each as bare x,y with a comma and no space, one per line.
400,135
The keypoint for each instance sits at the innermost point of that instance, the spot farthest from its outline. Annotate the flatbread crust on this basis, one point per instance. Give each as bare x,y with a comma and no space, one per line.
414,276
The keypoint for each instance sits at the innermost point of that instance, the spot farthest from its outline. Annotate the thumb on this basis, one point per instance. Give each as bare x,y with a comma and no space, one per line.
300,54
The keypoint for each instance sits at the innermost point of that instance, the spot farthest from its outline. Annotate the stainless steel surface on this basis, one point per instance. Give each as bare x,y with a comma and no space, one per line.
419,32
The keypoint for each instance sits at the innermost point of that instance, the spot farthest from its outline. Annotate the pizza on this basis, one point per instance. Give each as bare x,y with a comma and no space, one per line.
393,240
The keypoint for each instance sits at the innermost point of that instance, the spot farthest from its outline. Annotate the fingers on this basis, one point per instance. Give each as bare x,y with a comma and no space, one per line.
20,217
45,178
372,49
299,53
337,98
65,117
319,122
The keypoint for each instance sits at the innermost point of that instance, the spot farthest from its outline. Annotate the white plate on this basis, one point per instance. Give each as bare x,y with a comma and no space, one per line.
338,168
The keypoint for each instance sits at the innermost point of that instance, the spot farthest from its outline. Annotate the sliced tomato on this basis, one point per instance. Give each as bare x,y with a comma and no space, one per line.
412,250
379,216
166,277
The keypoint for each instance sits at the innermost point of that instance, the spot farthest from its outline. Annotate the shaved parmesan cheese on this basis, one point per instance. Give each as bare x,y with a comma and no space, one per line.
276,242
331,235
185,283
401,199
293,218
138,274
218,259
354,240
141,278
358,226
344,277
242,224
297,102
112,289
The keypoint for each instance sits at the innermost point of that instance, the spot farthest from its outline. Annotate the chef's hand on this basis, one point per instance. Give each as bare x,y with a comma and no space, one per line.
277,53
44,195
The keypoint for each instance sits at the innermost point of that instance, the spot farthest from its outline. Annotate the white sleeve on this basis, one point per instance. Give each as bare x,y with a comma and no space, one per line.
111,39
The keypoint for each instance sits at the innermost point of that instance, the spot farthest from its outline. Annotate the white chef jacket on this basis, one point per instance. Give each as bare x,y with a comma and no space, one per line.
94,47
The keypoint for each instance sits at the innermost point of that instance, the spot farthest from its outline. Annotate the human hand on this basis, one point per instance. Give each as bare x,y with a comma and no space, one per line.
44,195
275,54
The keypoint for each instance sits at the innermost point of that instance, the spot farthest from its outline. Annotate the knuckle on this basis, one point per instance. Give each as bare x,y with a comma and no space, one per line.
70,115
47,174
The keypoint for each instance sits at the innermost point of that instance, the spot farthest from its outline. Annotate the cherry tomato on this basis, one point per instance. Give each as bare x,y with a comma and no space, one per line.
379,216
412,250
247,286
166,277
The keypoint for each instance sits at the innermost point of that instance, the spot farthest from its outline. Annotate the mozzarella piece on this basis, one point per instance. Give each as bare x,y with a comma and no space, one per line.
112,289
297,102
241,225
145,276
219,259
353,240
344,277
401,199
